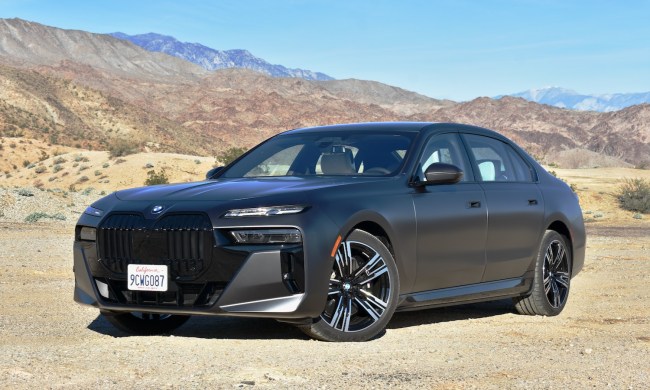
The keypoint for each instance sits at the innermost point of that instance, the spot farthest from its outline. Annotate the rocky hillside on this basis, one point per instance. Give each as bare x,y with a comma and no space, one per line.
90,91
546,130
27,43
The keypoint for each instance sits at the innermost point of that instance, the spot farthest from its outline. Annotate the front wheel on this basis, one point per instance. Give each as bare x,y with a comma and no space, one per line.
363,291
145,323
552,279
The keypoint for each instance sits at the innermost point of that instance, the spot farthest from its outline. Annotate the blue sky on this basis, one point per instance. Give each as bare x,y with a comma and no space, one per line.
456,49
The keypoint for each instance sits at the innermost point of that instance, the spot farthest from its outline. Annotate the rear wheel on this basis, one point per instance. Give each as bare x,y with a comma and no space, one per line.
363,291
552,280
145,323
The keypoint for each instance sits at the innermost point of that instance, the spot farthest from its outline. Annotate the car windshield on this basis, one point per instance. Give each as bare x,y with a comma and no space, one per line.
334,153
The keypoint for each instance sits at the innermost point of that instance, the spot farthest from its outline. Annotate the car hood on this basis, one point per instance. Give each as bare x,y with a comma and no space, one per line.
231,189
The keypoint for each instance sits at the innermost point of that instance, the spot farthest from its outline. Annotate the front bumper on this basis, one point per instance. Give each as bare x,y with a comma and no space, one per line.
286,282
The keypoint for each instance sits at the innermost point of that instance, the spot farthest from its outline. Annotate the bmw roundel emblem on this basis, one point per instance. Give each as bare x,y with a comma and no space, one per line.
157,209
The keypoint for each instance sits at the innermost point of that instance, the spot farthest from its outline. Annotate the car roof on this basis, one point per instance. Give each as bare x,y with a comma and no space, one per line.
374,126
389,127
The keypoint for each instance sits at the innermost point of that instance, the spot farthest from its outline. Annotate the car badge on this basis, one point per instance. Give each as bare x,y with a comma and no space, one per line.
157,209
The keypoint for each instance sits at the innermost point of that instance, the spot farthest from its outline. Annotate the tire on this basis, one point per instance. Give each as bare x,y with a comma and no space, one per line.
363,291
552,280
144,324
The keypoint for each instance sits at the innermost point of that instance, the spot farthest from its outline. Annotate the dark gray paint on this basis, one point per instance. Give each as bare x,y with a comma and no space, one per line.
445,249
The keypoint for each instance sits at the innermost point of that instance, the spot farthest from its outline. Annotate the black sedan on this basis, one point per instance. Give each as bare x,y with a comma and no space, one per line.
333,229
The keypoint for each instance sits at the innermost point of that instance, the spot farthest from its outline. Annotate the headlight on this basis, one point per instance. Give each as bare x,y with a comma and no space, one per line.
94,212
264,211
267,236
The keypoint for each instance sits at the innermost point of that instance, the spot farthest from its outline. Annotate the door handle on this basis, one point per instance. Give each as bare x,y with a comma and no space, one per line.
474,204
532,202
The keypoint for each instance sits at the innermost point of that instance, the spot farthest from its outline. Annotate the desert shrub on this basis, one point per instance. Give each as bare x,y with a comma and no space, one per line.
197,162
229,155
634,195
26,163
98,173
59,160
120,161
44,156
56,168
106,165
87,191
154,177
40,169
81,158
83,179
25,192
35,217
122,147
83,168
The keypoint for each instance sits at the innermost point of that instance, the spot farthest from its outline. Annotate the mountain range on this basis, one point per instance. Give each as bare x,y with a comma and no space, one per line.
212,59
91,91
566,98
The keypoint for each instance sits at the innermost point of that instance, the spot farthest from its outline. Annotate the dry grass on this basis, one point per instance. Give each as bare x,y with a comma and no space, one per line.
597,189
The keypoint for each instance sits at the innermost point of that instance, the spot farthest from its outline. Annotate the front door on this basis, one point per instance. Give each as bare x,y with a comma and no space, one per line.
451,222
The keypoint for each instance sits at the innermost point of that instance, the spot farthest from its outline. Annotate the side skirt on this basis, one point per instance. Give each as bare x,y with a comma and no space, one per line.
479,292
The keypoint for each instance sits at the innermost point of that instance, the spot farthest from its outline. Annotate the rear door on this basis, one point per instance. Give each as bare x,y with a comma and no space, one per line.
515,206
451,221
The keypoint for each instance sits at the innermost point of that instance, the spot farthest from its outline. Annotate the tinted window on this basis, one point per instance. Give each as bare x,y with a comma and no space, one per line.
498,161
444,148
325,154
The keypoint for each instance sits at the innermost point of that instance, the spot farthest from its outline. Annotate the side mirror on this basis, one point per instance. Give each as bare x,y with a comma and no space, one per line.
213,172
440,173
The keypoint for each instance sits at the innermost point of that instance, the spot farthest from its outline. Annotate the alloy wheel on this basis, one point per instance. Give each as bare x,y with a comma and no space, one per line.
359,288
556,274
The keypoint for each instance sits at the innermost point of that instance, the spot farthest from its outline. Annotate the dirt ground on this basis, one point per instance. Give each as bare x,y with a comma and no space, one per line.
602,339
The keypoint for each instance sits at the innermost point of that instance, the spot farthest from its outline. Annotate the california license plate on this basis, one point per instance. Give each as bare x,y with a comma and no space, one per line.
147,277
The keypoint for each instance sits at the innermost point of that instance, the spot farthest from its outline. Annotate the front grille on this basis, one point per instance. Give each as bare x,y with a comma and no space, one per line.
182,242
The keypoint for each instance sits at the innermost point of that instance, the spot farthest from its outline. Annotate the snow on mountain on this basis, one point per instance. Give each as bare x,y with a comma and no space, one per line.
566,98
212,59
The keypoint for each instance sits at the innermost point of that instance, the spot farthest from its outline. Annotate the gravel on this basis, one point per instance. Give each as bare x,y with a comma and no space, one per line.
602,339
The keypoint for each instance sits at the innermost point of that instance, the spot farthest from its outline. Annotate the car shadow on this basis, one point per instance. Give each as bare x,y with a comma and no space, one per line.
226,328
213,327
408,319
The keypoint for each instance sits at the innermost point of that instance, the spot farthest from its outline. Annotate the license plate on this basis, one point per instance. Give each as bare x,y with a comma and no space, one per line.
147,277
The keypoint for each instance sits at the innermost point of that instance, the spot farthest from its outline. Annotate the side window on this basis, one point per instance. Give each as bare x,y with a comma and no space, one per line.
444,148
523,171
497,161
